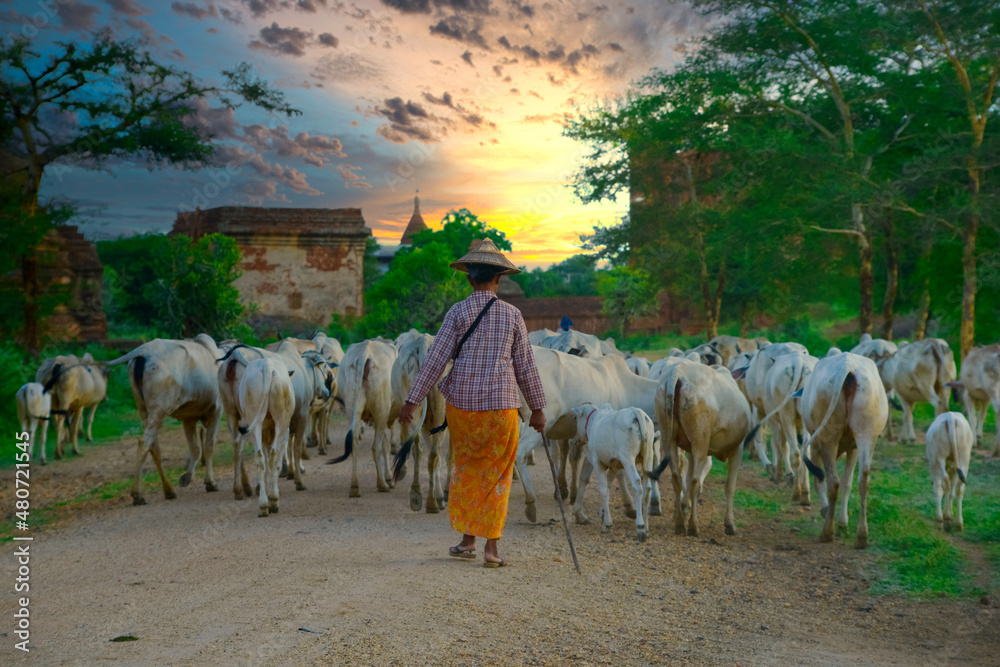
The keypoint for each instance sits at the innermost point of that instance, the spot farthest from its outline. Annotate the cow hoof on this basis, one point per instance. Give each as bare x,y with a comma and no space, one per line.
299,486
530,512
185,479
43,461
959,527
642,534
789,478
630,512
823,511
138,500
238,494
996,452
262,512
247,490
692,531
769,469
382,488
796,495
284,469
564,490
805,502
432,505
77,452
862,543
605,528
416,501
654,510
730,530
210,487
311,443
355,492
402,472
170,494
305,455
581,519
273,509
826,537
256,490
679,529
322,451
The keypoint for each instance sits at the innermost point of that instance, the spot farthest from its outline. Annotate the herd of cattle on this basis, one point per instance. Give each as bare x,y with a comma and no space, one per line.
618,413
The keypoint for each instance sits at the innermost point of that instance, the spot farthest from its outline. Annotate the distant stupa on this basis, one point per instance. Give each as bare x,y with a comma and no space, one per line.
416,224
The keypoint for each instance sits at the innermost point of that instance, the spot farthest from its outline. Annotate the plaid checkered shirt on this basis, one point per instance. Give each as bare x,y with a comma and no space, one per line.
493,363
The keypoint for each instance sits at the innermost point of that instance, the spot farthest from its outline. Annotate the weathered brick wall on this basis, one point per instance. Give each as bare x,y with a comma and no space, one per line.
68,264
299,265
585,311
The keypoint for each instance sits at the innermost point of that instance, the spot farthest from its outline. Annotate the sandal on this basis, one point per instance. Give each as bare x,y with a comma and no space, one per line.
462,553
492,563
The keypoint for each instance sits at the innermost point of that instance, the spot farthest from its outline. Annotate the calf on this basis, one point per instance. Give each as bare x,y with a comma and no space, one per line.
704,413
33,406
788,374
845,408
616,439
639,366
949,449
980,382
266,404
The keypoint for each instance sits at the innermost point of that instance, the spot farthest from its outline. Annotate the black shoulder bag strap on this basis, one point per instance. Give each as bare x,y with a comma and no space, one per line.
475,324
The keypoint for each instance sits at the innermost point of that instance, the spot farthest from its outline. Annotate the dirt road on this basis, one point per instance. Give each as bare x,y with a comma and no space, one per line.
332,580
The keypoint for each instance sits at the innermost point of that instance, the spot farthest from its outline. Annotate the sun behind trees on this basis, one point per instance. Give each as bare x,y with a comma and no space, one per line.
802,151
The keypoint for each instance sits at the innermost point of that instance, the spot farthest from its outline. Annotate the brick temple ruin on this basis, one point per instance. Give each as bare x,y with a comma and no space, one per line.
300,265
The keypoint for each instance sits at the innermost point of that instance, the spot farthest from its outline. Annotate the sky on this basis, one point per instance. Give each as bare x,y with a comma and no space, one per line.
465,100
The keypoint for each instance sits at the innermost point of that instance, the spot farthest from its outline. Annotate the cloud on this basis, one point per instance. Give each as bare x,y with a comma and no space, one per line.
194,11
348,68
467,57
425,6
407,120
350,178
128,7
315,149
258,191
326,39
286,41
615,46
77,15
471,118
457,28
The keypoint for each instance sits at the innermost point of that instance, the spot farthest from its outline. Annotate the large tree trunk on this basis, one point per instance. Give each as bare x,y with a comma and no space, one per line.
923,312
892,278
967,332
710,304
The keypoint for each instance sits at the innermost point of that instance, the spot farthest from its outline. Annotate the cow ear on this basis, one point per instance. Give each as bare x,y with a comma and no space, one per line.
740,372
291,373
738,349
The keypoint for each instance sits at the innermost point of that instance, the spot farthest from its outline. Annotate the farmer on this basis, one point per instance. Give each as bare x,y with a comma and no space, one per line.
482,412
564,324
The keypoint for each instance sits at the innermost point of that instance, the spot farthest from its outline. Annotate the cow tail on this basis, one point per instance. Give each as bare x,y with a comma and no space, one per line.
53,379
258,411
138,370
953,442
646,451
667,425
816,471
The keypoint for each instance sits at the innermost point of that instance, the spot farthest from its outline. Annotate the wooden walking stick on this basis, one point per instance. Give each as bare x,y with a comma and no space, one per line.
562,510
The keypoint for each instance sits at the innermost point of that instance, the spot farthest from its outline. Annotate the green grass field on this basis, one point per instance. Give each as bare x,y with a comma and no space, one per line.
914,556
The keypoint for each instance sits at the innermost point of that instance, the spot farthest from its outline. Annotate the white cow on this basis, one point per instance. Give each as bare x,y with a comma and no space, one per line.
569,381
366,387
703,413
949,450
845,408
755,378
616,438
639,366
428,416
175,378
536,337
980,382
311,381
730,346
33,407
659,367
575,342
319,418
878,350
75,384
266,403
920,371
789,373
406,337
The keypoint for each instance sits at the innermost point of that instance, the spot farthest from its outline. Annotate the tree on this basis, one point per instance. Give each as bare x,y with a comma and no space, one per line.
628,294
88,104
458,230
176,286
370,267
575,276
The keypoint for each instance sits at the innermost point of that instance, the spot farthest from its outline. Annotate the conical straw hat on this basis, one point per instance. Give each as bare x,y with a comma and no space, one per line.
485,252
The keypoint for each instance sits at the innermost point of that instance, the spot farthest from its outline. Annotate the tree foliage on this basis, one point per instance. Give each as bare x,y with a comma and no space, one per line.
628,293
575,276
175,286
